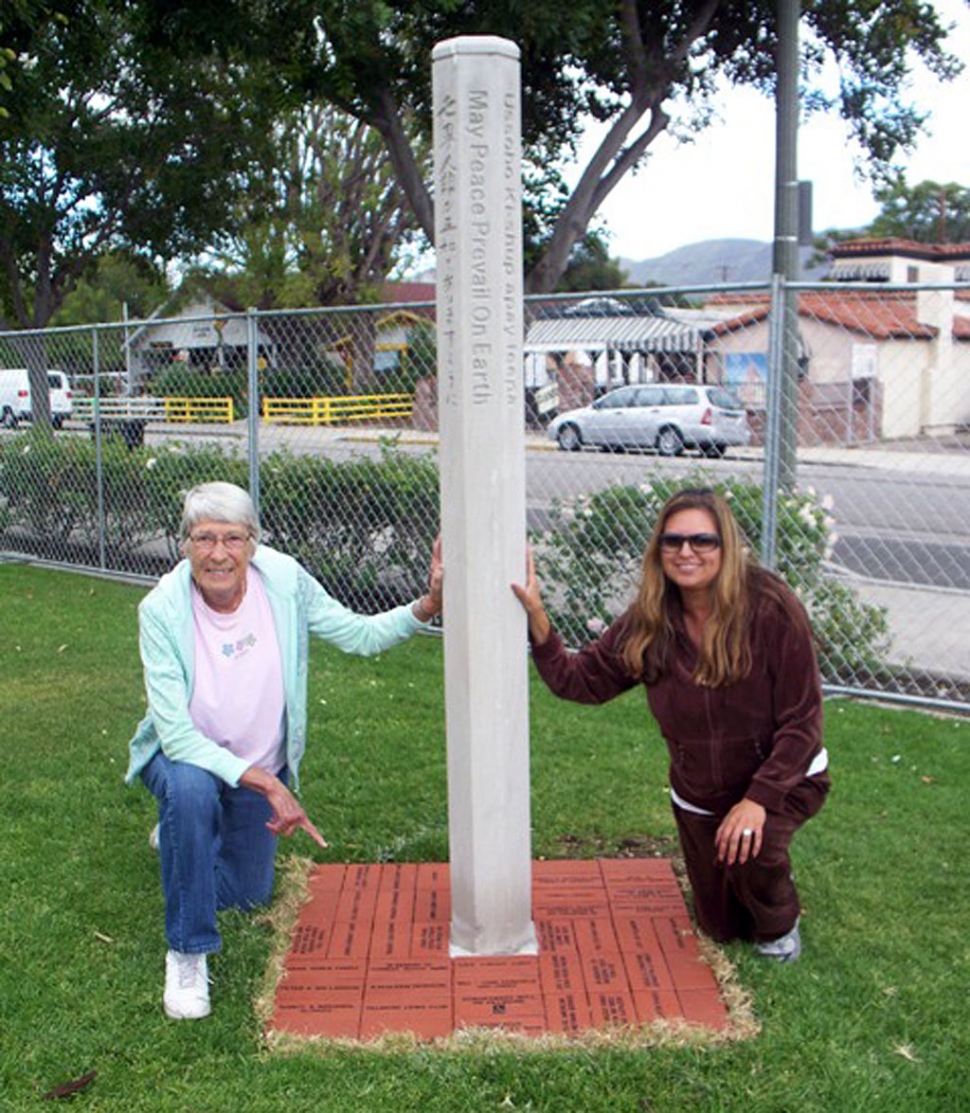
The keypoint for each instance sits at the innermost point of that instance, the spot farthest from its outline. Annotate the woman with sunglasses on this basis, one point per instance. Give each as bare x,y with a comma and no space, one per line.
725,651
224,643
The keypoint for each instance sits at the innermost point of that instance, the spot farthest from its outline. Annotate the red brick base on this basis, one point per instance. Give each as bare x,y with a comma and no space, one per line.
369,956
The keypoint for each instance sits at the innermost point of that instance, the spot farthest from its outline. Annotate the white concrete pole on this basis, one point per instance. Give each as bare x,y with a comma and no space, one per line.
478,235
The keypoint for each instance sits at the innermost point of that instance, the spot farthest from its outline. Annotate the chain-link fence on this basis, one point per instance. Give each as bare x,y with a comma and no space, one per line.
834,416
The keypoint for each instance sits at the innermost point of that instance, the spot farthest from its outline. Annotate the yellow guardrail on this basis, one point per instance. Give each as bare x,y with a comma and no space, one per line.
219,410
330,411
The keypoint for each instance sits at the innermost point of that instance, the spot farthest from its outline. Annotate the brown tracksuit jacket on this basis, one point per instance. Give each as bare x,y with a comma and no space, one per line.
754,738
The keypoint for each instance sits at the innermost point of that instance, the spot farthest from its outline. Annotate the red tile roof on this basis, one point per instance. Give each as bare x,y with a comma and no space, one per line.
907,248
883,316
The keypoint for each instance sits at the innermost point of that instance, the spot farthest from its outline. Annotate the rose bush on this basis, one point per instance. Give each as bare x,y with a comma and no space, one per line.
588,560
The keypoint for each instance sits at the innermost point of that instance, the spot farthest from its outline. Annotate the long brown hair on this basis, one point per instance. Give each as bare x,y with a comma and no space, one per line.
724,655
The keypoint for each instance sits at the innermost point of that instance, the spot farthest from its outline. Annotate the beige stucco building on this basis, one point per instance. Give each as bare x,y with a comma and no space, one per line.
885,357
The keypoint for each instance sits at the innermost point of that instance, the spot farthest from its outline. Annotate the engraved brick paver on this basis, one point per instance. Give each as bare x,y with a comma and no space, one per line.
369,956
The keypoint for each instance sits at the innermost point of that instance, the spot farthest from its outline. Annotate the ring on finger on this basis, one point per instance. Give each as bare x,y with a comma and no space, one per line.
747,833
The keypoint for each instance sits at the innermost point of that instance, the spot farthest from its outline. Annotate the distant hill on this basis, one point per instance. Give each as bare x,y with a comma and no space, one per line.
713,261
710,262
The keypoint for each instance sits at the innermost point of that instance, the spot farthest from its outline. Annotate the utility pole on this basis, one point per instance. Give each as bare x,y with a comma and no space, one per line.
781,403
785,255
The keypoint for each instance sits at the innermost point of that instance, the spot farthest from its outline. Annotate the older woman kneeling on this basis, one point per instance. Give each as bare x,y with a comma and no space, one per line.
224,643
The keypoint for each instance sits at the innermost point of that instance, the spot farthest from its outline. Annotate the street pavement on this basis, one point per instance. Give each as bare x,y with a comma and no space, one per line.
929,624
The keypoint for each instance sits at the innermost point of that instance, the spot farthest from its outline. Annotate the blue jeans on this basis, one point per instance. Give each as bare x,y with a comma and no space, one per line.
214,847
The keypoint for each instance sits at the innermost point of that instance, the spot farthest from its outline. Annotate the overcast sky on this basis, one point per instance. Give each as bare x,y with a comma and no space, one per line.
722,185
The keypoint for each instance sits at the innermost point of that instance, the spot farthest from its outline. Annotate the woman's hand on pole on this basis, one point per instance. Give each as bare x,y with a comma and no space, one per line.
429,604
529,595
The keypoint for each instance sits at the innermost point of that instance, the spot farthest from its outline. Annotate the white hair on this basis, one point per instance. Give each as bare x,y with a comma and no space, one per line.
219,502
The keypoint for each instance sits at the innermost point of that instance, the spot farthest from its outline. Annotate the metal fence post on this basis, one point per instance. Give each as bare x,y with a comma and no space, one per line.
773,416
99,462
252,418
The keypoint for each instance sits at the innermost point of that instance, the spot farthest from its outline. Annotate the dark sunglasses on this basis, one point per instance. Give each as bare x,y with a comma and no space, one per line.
699,542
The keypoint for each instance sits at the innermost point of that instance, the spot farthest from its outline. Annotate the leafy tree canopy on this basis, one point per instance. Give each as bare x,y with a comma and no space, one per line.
111,142
591,268
640,67
19,21
322,222
927,213
115,284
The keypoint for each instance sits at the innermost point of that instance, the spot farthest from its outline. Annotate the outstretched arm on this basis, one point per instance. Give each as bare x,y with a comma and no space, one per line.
594,674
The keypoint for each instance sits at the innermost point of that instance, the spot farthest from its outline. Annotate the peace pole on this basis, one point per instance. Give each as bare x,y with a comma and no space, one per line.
478,238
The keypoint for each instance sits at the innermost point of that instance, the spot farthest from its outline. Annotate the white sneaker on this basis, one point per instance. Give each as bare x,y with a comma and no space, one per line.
785,949
186,986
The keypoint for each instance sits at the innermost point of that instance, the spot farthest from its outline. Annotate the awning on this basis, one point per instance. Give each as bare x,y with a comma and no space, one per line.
616,334
844,271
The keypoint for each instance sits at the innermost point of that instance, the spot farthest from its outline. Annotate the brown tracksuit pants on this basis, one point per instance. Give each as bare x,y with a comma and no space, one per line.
757,901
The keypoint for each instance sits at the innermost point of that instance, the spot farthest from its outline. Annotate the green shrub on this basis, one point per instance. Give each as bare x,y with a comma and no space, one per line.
50,491
419,360
364,527
589,563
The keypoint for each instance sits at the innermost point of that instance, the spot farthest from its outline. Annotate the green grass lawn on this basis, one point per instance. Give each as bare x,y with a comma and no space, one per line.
874,1017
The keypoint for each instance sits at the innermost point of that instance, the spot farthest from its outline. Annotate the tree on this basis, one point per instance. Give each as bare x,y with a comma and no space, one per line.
640,67
927,213
109,143
591,268
114,285
17,17
328,220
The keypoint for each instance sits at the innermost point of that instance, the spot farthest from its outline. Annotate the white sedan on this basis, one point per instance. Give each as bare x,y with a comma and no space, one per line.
668,417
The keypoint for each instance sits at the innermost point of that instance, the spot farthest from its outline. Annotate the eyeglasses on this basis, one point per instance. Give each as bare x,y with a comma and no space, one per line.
698,542
231,542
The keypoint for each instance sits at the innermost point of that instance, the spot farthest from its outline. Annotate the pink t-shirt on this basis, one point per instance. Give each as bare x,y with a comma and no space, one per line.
238,698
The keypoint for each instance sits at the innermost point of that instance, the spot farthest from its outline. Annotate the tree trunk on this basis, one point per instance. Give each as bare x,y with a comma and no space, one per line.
387,120
32,346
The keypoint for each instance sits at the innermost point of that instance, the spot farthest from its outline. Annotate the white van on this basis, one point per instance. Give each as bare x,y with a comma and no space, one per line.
15,397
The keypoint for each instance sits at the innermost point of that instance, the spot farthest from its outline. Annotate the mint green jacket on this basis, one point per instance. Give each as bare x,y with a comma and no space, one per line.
300,607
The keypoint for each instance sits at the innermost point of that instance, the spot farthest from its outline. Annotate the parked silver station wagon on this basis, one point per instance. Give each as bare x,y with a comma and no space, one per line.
668,417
